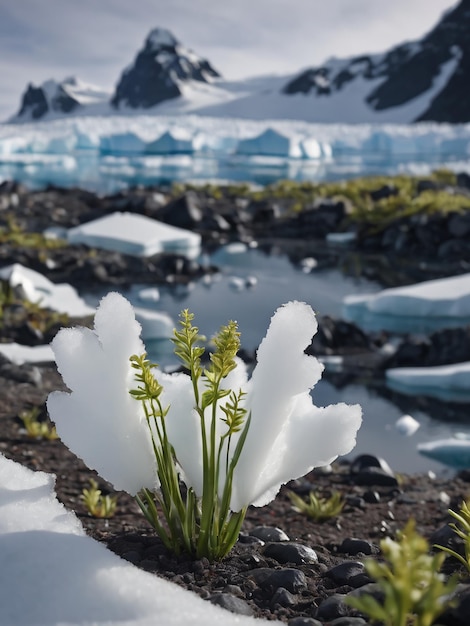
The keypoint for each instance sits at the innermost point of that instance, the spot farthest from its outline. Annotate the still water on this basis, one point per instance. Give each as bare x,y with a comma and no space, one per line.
227,296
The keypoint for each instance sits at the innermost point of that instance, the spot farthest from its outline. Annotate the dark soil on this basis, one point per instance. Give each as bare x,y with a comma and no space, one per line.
372,511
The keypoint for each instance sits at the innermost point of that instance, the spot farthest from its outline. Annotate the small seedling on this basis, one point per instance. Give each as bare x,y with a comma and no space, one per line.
415,593
318,509
35,428
98,505
463,531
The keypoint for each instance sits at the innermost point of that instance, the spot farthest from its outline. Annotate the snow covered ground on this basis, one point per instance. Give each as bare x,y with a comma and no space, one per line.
53,574
109,152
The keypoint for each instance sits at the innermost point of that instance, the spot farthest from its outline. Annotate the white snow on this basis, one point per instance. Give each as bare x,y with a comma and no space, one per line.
64,299
52,574
20,354
39,289
136,235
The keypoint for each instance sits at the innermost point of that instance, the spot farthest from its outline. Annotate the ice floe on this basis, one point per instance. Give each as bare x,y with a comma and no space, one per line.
445,382
423,306
136,235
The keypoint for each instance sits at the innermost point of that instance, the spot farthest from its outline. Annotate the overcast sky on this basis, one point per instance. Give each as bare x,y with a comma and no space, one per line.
96,39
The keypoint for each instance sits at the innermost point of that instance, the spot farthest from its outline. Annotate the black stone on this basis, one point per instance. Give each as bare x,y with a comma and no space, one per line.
285,552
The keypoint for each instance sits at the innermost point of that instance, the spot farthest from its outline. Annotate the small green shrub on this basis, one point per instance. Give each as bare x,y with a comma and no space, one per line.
318,509
463,531
415,592
96,504
35,428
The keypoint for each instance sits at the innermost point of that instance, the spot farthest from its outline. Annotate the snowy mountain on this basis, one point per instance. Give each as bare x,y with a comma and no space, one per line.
159,71
434,70
52,97
425,80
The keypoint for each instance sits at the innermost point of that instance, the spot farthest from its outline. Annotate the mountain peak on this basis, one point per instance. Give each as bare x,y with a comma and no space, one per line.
160,38
159,71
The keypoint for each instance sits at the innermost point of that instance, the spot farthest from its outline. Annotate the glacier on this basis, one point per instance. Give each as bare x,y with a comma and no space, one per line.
109,153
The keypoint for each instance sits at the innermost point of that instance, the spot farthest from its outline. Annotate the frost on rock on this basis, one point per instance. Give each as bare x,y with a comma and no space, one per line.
98,419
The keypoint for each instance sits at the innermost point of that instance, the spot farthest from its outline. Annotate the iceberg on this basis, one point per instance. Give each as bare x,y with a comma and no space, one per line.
172,142
122,143
272,143
422,306
444,382
453,451
135,235
108,152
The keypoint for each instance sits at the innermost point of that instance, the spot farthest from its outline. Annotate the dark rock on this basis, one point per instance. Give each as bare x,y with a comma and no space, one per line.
348,621
184,212
283,597
458,612
354,546
343,572
293,580
459,224
304,621
286,552
332,608
371,497
269,533
463,180
375,476
364,461
231,603
386,191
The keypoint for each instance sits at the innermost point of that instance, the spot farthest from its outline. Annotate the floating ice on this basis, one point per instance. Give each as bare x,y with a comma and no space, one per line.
136,235
453,451
446,382
407,425
437,302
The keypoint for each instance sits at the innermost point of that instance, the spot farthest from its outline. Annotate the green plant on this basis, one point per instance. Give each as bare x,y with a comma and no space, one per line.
318,509
35,428
415,592
205,526
98,505
463,531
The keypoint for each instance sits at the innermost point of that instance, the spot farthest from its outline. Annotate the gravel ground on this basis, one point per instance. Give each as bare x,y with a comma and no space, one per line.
267,574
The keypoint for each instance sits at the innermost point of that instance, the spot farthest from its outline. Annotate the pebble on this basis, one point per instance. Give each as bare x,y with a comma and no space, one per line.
269,533
343,573
290,578
231,603
290,553
332,608
354,546
283,597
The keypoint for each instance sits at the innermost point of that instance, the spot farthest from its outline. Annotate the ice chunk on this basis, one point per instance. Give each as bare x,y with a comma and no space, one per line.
136,235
